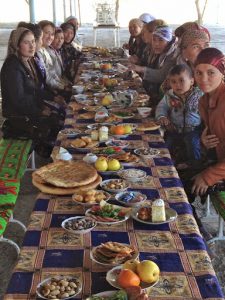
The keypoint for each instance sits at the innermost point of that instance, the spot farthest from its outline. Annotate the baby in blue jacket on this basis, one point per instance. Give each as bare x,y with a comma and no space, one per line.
178,113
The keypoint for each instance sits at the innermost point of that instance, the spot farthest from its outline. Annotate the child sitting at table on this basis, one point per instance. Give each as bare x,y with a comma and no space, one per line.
178,113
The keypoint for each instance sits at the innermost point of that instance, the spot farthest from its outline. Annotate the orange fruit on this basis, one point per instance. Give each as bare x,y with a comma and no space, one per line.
119,130
128,278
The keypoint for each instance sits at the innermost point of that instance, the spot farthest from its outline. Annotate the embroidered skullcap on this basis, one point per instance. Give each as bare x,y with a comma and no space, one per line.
14,40
212,56
146,18
164,32
137,22
191,35
185,27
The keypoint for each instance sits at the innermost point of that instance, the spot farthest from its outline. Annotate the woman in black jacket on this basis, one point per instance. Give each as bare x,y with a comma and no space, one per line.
22,96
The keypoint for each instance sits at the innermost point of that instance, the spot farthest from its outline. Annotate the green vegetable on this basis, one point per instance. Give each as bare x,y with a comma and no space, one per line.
120,295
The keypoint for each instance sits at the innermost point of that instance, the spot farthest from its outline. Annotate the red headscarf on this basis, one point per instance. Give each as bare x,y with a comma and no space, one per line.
212,56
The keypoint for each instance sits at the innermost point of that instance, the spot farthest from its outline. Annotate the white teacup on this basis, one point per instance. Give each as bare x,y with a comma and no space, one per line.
77,89
144,111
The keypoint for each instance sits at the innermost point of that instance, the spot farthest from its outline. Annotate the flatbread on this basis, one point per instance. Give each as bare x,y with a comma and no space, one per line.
151,125
53,190
67,174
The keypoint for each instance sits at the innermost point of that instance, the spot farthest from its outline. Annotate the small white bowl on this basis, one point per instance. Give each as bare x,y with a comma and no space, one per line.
64,156
144,112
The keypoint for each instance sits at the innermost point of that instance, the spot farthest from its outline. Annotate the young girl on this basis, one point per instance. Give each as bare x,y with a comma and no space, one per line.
178,112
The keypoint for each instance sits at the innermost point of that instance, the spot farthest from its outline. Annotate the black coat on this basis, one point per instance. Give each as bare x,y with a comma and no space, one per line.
21,95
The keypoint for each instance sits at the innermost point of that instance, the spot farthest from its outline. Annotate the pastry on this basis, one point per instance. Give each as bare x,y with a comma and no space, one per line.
151,125
158,211
67,174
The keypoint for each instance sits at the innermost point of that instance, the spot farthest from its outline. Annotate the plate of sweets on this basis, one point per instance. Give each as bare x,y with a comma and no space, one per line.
113,253
130,198
118,143
57,283
108,214
132,174
78,225
154,214
147,152
84,144
90,197
70,132
114,185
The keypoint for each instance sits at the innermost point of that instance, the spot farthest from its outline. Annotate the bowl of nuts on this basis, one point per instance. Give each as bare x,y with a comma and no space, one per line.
78,225
59,287
91,197
114,185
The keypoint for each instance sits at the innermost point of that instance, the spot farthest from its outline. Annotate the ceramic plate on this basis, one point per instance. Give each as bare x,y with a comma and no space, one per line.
48,280
132,174
103,294
92,255
148,152
136,198
89,204
118,143
112,275
106,222
76,219
123,115
70,132
111,172
104,185
171,216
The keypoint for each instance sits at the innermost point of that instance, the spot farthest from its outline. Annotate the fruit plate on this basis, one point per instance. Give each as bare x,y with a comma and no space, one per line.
132,174
171,216
105,151
70,132
147,152
108,172
103,262
70,223
90,199
114,215
105,185
111,277
41,286
130,198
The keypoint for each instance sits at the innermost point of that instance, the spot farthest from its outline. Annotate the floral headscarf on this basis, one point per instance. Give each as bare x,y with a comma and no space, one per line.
164,32
191,35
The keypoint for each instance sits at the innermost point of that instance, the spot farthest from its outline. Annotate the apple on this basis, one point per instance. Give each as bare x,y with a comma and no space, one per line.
127,129
148,271
131,264
107,100
113,165
101,164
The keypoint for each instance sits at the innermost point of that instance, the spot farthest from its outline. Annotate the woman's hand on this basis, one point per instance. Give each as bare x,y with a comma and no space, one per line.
199,186
60,100
46,111
136,68
133,59
163,121
209,140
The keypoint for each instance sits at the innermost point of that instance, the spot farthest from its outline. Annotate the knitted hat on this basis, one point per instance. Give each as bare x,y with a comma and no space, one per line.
164,32
212,56
191,35
146,18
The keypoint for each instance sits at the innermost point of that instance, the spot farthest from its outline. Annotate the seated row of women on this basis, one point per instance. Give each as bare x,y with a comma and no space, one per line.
36,80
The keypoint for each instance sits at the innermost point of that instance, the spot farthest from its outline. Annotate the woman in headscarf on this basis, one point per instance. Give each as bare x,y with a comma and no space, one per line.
209,76
71,56
162,57
135,44
22,101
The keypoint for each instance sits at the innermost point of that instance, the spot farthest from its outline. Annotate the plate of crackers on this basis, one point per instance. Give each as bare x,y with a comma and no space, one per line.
113,253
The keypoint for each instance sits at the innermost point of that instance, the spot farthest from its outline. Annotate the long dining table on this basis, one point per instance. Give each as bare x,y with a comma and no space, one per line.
177,247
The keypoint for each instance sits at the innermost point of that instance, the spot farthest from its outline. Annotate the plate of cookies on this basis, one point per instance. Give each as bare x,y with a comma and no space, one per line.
91,197
84,144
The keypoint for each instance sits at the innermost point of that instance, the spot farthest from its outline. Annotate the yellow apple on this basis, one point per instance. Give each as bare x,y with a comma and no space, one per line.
131,264
148,271
127,129
101,164
113,164
107,100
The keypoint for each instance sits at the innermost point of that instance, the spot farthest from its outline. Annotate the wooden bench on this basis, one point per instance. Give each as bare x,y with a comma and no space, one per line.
14,156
